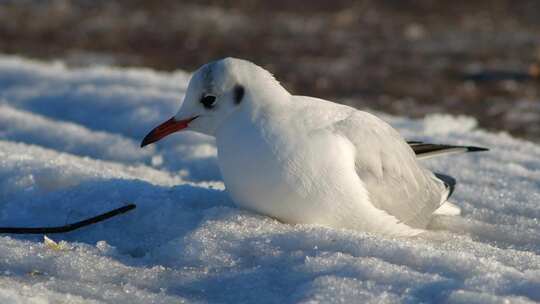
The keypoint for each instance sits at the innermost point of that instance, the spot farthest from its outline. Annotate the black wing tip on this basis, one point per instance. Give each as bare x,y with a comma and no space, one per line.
476,149
415,143
449,182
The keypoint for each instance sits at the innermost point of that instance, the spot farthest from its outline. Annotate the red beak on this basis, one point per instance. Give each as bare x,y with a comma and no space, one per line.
170,126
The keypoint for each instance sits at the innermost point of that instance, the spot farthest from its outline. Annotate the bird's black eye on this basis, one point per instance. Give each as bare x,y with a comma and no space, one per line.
208,101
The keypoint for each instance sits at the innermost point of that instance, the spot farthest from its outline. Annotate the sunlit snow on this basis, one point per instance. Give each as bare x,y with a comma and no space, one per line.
69,149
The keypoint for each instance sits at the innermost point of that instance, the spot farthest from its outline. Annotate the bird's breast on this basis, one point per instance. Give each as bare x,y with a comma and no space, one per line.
290,176
254,168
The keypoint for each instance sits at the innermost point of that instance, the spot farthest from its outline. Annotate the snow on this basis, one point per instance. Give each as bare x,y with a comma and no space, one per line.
69,150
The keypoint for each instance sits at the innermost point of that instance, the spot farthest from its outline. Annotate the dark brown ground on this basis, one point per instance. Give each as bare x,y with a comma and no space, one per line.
403,57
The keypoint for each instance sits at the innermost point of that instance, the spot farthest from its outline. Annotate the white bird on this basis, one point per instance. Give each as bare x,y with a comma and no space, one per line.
306,160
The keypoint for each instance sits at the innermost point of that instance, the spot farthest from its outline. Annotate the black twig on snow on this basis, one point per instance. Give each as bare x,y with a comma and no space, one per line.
68,227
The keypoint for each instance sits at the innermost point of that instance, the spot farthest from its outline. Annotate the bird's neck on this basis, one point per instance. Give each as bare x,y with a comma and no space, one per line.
263,107
266,96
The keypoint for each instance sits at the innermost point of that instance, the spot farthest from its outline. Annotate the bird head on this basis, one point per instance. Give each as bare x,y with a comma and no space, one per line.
214,91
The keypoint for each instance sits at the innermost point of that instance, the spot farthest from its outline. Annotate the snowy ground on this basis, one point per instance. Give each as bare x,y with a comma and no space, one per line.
69,150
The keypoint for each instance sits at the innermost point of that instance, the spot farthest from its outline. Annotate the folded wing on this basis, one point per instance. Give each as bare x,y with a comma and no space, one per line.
389,170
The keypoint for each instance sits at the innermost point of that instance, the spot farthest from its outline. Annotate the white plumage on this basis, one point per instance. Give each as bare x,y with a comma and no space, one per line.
307,160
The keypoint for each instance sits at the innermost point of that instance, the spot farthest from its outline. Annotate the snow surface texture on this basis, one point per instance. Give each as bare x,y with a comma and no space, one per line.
69,150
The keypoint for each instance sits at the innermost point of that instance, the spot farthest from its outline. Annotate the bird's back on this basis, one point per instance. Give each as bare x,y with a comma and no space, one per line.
314,161
384,162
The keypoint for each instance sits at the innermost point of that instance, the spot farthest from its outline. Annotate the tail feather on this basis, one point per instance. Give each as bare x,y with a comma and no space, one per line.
448,209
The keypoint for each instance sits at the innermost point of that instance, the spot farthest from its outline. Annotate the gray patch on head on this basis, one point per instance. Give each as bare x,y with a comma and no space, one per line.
208,77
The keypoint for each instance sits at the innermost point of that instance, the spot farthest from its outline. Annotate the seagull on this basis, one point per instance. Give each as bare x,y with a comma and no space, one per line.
305,160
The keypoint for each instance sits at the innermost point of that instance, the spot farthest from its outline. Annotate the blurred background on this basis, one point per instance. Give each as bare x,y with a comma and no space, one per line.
407,57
